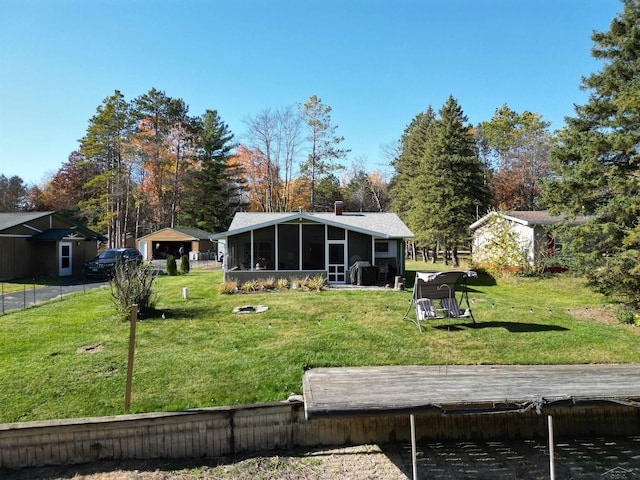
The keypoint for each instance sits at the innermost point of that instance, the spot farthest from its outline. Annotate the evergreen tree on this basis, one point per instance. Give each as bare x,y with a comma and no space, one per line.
213,190
445,182
12,194
324,144
402,187
597,163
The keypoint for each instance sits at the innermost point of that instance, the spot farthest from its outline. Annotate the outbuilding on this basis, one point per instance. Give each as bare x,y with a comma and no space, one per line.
167,241
44,244
518,237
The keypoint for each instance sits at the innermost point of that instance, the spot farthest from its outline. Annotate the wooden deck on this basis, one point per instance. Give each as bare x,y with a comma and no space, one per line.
465,389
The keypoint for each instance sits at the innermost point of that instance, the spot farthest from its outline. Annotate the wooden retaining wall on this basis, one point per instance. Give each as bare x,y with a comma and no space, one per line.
223,431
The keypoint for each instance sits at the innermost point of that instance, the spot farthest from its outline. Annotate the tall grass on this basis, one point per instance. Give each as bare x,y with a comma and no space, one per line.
201,354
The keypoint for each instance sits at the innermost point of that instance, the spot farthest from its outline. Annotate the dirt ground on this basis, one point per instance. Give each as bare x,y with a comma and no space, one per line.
585,458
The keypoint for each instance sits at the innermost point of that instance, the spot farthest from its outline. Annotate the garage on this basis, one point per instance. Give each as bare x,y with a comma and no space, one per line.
167,241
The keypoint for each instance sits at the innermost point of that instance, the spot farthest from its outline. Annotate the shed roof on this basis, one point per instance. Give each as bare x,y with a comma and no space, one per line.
187,233
379,224
531,218
13,219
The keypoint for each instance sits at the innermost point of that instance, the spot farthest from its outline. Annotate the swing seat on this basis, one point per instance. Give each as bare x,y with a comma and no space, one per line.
441,286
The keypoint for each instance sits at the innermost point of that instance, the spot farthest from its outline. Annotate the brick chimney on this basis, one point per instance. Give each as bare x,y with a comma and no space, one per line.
337,207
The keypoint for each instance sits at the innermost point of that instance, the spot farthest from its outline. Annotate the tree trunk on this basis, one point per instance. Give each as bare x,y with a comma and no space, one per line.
436,249
454,258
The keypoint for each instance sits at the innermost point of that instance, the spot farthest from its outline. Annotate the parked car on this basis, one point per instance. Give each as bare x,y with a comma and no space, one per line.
102,266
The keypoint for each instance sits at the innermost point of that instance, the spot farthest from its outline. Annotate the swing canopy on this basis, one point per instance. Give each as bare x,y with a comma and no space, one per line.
440,295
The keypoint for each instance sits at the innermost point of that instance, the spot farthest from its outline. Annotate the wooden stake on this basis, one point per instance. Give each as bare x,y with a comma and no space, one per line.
132,348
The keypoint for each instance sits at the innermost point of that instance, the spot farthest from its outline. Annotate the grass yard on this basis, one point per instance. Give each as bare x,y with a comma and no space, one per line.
203,355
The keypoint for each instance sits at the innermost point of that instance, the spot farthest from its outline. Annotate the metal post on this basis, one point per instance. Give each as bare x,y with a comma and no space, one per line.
552,473
132,346
414,461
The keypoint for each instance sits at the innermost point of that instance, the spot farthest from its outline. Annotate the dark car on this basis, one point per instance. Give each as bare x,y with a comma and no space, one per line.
104,263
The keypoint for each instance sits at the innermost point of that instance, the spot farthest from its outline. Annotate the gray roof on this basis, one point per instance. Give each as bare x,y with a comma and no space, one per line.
12,219
379,224
532,217
195,233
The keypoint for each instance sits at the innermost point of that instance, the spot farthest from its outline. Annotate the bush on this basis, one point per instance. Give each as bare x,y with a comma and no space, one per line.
132,284
299,283
227,288
267,283
249,286
282,284
625,315
185,266
172,268
316,283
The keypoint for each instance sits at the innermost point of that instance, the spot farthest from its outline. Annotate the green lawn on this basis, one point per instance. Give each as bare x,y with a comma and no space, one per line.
202,354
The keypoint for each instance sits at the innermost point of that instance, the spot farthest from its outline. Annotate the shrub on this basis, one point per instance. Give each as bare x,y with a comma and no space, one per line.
172,268
267,283
299,283
132,284
184,264
282,284
249,286
227,288
316,283
625,315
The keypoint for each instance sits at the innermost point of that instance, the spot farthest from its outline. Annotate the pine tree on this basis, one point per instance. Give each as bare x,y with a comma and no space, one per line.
324,144
597,163
451,181
213,191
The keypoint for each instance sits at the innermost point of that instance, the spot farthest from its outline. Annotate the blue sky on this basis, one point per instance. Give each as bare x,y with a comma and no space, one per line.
376,63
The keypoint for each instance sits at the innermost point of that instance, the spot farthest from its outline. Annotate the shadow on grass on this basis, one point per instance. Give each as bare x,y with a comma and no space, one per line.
513,327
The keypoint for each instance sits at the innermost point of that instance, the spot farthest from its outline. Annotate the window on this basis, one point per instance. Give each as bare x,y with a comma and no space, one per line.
382,247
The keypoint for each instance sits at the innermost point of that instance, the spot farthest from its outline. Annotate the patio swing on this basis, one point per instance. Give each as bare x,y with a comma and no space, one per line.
430,287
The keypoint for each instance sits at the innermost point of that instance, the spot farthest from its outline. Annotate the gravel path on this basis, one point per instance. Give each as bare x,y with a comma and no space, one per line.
587,458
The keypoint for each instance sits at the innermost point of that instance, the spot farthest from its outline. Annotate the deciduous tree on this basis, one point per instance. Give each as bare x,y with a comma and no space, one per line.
516,148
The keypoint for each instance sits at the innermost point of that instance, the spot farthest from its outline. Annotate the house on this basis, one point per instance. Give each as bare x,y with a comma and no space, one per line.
44,243
297,244
517,237
167,241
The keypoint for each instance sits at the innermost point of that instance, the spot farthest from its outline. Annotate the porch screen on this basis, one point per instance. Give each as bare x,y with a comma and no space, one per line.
264,248
288,247
313,243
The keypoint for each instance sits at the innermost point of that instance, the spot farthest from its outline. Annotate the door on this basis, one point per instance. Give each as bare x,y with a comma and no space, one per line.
337,269
64,259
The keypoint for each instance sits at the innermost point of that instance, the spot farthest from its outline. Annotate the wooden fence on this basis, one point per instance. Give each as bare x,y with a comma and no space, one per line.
223,431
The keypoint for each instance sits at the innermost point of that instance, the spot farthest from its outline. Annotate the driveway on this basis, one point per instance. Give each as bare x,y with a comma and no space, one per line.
31,295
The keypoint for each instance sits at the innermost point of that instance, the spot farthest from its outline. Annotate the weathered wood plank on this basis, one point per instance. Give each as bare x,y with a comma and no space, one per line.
395,389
